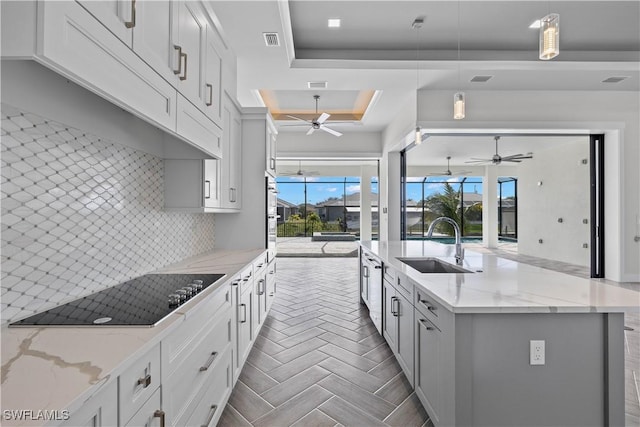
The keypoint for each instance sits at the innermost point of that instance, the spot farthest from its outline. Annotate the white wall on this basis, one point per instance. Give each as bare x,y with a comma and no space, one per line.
324,145
614,113
564,193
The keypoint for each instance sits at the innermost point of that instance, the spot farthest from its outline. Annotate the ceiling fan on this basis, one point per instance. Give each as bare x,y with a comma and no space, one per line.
497,158
317,123
448,171
299,172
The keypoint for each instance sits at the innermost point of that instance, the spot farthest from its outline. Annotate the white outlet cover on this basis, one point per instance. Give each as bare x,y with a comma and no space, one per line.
536,352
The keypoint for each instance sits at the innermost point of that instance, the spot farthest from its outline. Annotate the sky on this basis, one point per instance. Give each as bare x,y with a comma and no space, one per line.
320,189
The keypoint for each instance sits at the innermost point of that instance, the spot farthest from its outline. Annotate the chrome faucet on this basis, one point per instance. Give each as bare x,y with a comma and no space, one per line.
456,228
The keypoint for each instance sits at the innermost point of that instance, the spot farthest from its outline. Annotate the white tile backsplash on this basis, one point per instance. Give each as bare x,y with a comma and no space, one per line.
80,213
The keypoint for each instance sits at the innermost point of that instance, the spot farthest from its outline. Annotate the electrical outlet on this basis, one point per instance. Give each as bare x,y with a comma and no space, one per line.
536,352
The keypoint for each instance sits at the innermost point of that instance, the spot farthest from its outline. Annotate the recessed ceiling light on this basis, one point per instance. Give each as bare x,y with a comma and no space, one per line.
614,79
333,22
536,24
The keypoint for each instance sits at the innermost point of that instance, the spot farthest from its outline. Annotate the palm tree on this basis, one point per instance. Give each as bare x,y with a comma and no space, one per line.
445,204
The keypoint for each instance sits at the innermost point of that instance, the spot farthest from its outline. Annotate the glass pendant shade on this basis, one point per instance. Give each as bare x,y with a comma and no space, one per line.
458,106
550,36
418,136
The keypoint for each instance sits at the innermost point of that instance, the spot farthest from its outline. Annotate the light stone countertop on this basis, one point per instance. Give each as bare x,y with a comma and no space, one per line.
59,368
503,286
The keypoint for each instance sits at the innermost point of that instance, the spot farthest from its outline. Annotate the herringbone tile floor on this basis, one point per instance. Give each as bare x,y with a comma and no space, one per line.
318,360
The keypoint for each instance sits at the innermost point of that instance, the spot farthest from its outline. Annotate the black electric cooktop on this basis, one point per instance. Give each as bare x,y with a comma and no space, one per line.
143,301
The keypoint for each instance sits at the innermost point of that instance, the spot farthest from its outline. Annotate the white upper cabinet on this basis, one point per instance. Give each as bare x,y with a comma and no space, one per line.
153,36
213,76
191,36
231,171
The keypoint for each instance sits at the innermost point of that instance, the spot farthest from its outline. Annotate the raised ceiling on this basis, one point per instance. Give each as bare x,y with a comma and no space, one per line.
375,50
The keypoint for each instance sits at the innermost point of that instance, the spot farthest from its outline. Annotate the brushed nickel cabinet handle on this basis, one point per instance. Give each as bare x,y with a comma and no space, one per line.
160,414
212,412
144,381
207,184
366,271
179,49
210,103
424,323
244,316
396,313
184,55
132,23
209,361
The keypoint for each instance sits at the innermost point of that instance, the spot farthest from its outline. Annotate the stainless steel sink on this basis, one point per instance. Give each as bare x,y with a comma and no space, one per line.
433,265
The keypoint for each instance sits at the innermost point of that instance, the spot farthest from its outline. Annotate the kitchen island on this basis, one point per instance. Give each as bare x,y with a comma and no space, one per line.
473,334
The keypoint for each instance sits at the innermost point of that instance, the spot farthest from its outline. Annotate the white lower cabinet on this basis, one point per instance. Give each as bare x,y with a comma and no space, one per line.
101,410
398,329
429,379
271,283
183,388
214,396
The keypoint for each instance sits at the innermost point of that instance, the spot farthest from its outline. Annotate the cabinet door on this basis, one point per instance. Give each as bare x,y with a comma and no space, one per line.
231,156
211,190
191,33
271,284
212,95
243,317
389,319
428,381
405,335
271,151
154,35
196,128
117,15
99,411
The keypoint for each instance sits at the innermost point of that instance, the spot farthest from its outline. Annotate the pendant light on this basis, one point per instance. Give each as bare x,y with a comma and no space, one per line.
417,24
458,97
549,36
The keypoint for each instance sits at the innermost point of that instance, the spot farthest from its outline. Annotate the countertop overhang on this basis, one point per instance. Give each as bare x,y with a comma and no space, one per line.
503,286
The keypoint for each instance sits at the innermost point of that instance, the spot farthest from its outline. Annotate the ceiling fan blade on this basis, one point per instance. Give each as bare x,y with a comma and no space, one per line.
311,130
331,131
474,160
296,124
323,118
298,118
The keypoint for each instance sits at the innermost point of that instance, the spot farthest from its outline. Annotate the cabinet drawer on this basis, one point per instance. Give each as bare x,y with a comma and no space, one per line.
246,279
150,414
389,274
183,338
184,385
260,262
404,285
214,395
138,382
428,307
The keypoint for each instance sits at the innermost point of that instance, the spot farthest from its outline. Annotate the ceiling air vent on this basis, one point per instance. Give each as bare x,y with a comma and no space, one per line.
271,39
480,79
317,85
614,79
